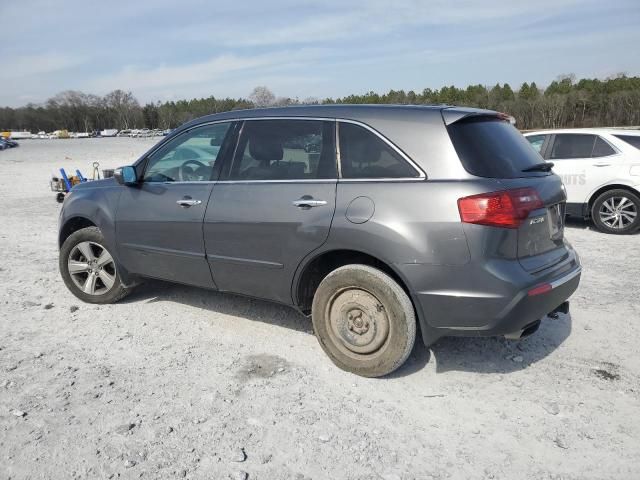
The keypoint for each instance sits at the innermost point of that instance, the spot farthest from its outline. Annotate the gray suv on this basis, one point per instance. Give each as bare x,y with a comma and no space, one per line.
372,219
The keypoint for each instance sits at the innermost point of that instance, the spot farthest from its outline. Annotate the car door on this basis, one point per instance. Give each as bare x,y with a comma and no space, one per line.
273,206
571,154
159,220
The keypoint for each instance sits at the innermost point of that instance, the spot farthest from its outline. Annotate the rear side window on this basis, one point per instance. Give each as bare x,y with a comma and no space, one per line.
365,155
630,139
285,150
490,147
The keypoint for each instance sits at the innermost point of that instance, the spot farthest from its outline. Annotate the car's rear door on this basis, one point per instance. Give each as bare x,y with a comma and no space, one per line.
273,206
159,220
583,161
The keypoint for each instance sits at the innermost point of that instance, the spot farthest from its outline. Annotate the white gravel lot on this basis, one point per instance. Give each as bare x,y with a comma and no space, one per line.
181,382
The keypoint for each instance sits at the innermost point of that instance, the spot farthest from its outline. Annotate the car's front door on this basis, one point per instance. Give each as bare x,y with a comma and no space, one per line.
273,206
159,220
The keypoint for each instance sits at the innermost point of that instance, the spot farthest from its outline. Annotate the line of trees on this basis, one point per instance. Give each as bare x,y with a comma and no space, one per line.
565,102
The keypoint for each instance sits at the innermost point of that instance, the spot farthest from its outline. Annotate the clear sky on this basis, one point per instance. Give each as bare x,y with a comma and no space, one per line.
176,49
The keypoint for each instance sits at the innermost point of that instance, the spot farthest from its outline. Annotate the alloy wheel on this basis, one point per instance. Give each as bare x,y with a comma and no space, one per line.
618,212
92,268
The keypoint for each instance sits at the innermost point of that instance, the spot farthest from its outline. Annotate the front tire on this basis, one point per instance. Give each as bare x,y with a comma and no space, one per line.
364,320
616,211
88,269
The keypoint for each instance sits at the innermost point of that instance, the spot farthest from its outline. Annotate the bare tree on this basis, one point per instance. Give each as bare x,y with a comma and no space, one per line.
125,107
262,97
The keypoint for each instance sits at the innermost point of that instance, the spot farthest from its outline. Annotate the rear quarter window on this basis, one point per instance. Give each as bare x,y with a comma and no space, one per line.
493,148
633,140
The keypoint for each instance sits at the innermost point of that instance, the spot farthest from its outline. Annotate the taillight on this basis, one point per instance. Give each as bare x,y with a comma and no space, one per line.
507,208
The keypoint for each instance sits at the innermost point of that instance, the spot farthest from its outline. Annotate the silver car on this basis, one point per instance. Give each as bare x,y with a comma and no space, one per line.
371,219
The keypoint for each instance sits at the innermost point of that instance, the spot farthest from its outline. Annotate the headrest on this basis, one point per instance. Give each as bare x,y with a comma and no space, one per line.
265,147
364,151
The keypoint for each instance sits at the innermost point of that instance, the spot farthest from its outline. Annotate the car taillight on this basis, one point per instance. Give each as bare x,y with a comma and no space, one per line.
507,208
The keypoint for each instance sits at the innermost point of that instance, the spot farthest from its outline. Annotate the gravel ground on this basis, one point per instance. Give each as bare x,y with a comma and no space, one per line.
181,382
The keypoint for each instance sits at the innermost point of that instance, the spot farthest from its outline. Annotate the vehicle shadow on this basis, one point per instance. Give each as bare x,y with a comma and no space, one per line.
578,223
153,291
581,224
491,354
471,354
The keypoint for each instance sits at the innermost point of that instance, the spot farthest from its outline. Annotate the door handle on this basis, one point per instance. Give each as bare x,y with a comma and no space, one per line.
187,202
601,164
308,203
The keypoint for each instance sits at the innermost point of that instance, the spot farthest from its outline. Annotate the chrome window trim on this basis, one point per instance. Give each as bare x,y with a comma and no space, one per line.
302,180
338,158
388,180
203,182
421,175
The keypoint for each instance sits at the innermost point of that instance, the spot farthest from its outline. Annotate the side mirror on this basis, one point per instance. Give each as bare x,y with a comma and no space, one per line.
126,175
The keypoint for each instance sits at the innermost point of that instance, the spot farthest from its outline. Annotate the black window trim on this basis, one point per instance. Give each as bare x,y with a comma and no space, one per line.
552,141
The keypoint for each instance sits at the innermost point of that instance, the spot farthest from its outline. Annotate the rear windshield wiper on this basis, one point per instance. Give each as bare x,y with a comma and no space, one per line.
540,167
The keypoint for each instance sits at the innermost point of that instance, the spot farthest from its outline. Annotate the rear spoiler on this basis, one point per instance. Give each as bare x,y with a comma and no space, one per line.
455,114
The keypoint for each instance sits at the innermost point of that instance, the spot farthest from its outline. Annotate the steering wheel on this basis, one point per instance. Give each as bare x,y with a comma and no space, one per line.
186,176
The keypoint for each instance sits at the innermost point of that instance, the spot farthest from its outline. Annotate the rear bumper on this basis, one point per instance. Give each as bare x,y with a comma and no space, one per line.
527,309
489,299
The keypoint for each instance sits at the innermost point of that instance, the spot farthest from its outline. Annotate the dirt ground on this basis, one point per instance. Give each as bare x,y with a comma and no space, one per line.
179,382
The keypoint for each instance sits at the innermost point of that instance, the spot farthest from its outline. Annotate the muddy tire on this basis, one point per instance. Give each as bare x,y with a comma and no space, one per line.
364,320
88,269
616,211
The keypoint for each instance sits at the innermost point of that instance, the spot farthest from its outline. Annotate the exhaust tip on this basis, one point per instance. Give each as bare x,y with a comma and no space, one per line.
525,332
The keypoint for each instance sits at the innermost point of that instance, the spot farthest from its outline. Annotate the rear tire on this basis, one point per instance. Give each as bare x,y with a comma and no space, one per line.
88,269
617,212
364,320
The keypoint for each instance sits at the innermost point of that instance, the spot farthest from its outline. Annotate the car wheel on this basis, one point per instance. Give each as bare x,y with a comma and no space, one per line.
88,269
364,320
616,211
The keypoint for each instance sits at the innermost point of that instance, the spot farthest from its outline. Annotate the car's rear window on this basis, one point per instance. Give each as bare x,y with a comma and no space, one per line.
633,140
491,147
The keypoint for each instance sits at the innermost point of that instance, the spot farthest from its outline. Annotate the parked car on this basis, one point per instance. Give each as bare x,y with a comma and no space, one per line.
3,144
9,143
441,216
600,168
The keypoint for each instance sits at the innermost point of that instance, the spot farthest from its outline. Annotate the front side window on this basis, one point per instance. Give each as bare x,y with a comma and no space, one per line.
537,141
190,157
572,145
365,155
285,150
